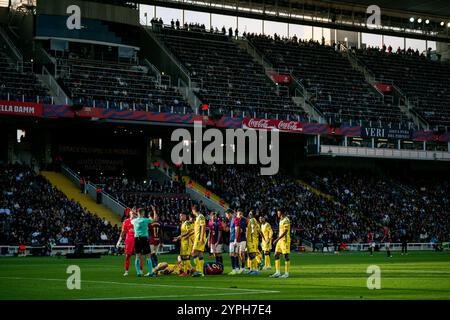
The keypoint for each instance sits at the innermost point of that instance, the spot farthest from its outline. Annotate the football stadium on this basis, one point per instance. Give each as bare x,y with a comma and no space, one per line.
224,150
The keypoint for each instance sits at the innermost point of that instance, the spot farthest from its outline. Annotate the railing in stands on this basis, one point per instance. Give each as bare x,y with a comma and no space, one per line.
107,200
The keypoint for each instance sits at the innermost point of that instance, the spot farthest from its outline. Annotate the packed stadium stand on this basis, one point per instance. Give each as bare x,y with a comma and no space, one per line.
228,78
338,91
118,86
36,213
18,82
169,198
348,206
425,82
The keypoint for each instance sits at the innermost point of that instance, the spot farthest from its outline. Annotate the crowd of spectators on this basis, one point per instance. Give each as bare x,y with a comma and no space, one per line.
33,212
419,75
227,78
123,184
349,206
335,88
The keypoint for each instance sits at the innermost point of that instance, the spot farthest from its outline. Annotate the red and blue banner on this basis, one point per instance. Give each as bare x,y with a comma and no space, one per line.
65,111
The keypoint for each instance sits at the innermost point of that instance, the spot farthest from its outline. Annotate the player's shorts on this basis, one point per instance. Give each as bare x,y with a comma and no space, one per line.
372,245
283,247
154,248
252,247
387,245
266,246
141,245
129,245
199,246
217,249
241,246
186,248
233,247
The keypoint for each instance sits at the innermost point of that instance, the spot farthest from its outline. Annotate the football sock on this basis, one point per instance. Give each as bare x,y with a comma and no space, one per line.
267,261
219,259
258,258
249,262
185,265
200,263
287,264
236,263
154,260
149,265
137,265
255,264
277,265
140,263
127,262
195,261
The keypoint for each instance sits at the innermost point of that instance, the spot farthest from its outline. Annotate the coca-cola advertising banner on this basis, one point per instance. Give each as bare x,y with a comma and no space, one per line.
20,108
266,124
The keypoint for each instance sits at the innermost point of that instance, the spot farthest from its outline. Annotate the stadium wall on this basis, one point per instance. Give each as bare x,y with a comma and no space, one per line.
92,10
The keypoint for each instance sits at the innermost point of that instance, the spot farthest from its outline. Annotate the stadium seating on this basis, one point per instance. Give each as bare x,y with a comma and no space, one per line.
19,84
425,82
338,91
118,86
36,213
228,78
360,201
168,198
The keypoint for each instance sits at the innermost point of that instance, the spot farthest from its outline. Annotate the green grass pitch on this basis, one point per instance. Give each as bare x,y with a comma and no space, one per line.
419,275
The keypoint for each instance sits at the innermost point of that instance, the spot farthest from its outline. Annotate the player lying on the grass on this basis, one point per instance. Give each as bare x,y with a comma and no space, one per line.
266,243
128,233
199,241
141,242
165,268
282,245
186,239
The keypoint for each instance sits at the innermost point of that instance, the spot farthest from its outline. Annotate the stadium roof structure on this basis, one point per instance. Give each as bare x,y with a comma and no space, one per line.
335,14
430,7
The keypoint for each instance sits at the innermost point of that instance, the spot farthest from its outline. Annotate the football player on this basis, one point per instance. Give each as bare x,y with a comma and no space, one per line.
266,243
199,241
282,245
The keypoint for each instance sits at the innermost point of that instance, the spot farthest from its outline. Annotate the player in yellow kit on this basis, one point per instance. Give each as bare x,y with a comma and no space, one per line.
199,241
186,239
283,245
253,233
266,244
165,268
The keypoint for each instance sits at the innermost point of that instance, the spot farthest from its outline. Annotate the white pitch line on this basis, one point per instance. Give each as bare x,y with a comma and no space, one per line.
179,296
149,285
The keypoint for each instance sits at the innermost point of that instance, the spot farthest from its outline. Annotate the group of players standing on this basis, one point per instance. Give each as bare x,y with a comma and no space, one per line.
247,234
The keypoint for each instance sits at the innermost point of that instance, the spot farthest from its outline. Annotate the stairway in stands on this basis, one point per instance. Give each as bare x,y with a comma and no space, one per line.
73,192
